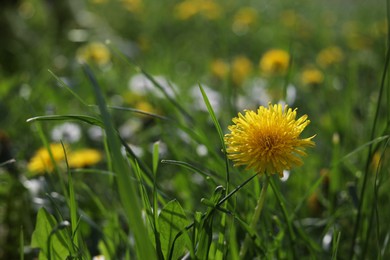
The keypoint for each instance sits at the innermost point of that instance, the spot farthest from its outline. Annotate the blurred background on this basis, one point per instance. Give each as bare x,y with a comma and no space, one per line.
324,57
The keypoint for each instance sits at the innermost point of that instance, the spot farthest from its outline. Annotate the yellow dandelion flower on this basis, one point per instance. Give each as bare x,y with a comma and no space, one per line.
210,9
219,68
312,77
245,16
330,56
268,141
274,62
289,18
241,68
189,8
185,10
41,161
134,6
83,158
94,52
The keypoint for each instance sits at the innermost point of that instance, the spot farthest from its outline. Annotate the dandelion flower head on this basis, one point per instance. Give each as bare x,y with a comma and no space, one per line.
95,52
330,56
267,141
219,68
274,62
84,158
241,68
312,76
41,161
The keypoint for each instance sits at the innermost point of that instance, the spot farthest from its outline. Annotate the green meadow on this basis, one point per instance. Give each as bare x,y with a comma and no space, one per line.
117,119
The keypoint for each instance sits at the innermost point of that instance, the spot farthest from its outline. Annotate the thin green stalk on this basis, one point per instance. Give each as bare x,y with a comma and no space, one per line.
256,216
285,215
21,243
365,178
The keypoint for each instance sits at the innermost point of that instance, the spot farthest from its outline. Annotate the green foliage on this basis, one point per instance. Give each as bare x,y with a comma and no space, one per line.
50,237
172,221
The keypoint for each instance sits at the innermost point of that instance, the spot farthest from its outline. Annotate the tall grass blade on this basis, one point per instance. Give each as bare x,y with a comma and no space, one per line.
155,83
336,243
72,204
63,84
219,130
126,187
359,215
21,244
87,119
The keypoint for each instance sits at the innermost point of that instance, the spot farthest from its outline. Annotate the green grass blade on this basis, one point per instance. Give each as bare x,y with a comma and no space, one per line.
63,84
191,167
358,221
126,187
87,119
219,130
152,216
155,83
335,244
21,244
286,215
72,204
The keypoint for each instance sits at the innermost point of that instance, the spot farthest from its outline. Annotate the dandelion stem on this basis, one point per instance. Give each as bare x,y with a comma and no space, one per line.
256,216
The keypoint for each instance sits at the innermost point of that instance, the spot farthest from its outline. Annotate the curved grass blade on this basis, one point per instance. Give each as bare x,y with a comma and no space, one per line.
192,168
63,84
155,83
87,119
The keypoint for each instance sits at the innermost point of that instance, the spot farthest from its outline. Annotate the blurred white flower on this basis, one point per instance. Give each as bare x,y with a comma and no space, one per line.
140,84
201,150
256,95
34,186
162,148
25,91
137,150
68,132
95,133
291,94
131,126
286,175
213,96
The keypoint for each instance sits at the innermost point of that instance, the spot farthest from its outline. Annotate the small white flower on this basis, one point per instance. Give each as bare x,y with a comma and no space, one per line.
140,84
256,94
68,132
201,150
95,133
213,96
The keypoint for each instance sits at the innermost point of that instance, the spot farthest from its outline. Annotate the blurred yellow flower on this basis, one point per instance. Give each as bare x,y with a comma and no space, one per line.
94,52
83,158
268,141
356,36
145,106
312,76
134,6
219,68
274,62
210,9
330,56
244,18
99,1
189,8
241,68
289,18
41,161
